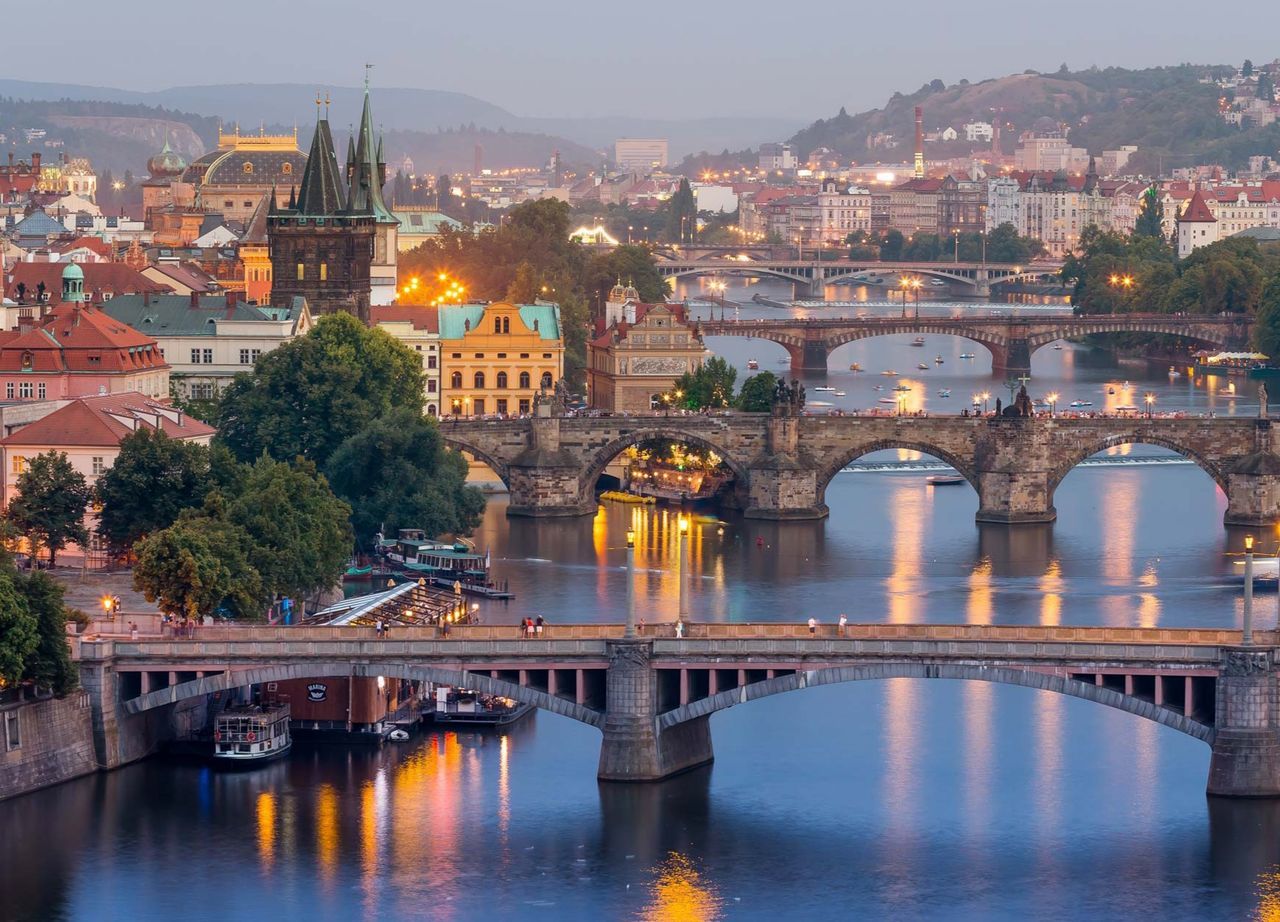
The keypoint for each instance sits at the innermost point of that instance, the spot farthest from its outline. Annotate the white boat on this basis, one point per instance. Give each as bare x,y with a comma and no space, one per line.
1057,347
784,361
902,388
855,367
825,389
889,373
945,392
922,366
918,341
841,394
398,735
887,400
1264,568
877,387
1174,373
246,735
1081,403
937,283
752,365
966,355
1126,407
938,360
944,480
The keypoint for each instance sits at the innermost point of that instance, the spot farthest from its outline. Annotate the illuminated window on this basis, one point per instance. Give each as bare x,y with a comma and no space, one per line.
18,464
248,167
324,272
301,271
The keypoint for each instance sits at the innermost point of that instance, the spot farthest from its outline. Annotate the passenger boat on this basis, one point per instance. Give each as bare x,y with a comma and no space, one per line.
944,480
841,394
1057,347
945,392
877,387
824,389
938,360
918,341
855,367
753,365
1265,569
887,400
902,388
889,373
1080,403
1126,407
247,735
452,566
922,366
463,706
966,355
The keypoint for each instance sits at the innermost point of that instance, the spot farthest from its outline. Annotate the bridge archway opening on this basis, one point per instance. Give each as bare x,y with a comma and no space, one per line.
670,466
482,469
909,463
868,352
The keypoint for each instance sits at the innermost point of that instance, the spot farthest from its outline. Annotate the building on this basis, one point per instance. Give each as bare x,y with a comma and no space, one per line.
639,354
208,340
498,357
366,175
242,169
1047,149
27,282
320,249
962,206
640,155
1197,226
979,132
777,157
19,178
419,329
843,212
1004,202
420,224
913,206
75,350
88,430
1052,211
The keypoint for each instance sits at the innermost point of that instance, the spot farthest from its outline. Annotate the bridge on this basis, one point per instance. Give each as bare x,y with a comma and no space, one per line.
651,697
782,465
810,276
1010,340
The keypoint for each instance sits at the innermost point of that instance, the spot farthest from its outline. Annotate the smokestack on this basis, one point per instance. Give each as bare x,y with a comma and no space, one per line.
919,171
477,160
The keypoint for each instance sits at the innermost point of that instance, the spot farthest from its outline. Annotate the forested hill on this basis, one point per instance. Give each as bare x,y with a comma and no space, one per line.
1165,111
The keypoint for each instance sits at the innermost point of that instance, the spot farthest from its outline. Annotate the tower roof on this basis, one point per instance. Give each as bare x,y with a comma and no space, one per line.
365,171
321,190
1197,211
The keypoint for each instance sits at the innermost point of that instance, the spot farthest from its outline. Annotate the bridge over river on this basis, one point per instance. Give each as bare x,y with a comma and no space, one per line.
1010,340
782,465
652,697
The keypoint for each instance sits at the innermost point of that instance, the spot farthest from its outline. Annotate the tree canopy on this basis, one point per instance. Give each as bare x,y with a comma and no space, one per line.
757,393
711,386
49,508
152,480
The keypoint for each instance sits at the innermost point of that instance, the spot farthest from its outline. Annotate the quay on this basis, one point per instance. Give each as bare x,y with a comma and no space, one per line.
651,697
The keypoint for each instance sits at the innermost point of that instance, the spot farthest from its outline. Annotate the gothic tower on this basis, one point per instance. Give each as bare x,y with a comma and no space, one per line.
366,175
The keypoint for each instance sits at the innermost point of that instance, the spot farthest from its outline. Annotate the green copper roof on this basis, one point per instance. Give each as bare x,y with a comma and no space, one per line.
454,319
365,172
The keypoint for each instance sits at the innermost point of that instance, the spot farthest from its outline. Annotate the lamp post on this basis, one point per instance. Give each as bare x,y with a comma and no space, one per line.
1247,632
986,395
630,631
1150,399
681,533
1053,402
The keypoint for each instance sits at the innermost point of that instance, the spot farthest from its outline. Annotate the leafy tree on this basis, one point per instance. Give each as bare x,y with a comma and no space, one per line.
710,386
757,393
49,665
19,631
444,193
49,507
308,396
299,531
1266,328
197,564
1266,88
397,473
1247,69
632,265
682,221
924,247
1006,245
892,246
1150,221
151,482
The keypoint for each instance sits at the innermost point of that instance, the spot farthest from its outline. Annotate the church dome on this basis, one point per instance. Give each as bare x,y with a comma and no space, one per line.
168,164
73,271
630,293
618,294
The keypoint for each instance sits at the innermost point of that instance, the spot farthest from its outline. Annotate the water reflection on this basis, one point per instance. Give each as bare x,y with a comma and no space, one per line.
681,894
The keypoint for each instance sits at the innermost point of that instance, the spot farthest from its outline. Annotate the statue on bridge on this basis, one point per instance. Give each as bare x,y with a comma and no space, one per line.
1021,406
788,399
1262,400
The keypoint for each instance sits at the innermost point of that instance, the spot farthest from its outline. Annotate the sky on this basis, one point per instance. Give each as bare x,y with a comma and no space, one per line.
656,58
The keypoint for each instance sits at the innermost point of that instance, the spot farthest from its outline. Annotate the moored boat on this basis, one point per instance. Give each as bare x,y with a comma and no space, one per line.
248,735
918,341
966,355
753,365
944,480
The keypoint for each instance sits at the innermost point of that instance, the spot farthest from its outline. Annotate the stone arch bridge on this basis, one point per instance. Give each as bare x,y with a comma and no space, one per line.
1010,340
783,465
652,698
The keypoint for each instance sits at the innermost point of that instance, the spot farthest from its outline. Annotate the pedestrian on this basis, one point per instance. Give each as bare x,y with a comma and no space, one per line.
528,627
133,631
377,629
679,629
813,626
843,622
642,626
538,622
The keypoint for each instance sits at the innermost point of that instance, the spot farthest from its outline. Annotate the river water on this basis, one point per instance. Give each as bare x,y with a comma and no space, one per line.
895,799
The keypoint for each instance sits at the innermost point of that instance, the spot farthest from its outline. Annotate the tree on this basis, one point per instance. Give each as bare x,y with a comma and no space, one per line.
1266,328
444,193
397,473
1006,245
300,532
49,664
1150,221
199,563
682,221
151,482
308,396
891,247
49,507
757,393
1247,69
1266,90
19,631
710,386
632,265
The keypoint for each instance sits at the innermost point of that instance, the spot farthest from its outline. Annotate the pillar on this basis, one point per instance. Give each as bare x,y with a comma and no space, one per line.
545,480
634,747
813,358
1013,470
782,483
1246,742
1011,361
1253,491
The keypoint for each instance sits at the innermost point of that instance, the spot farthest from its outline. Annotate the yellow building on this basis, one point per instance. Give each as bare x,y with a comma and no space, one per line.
497,357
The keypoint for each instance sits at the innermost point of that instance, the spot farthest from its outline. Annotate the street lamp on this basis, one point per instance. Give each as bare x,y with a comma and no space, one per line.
1150,399
986,395
1247,633
681,533
1053,402
630,631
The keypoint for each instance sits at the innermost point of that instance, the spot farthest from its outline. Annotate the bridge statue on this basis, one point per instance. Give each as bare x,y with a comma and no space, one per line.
1262,400
1021,406
788,399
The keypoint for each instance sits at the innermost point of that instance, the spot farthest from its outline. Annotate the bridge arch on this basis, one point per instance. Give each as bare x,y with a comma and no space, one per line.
496,464
603,456
1074,457
224,681
828,471
747,269
1005,675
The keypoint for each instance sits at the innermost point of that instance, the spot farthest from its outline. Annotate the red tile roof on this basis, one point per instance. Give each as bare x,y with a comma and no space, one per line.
1197,211
422,317
99,279
97,244
72,338
104,421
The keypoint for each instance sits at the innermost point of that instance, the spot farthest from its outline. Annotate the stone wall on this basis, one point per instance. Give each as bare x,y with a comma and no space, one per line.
55,745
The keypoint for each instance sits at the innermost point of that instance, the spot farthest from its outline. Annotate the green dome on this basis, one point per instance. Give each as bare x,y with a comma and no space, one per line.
72,271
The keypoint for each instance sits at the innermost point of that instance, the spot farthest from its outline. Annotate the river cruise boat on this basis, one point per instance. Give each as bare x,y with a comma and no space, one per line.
889,373
945,392
966,355
452,566
1235,364
466,707
753,365
247,735
921,366
824,389
918,341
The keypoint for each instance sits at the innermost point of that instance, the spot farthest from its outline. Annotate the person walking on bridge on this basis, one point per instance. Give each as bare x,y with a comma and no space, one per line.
843,621
813,626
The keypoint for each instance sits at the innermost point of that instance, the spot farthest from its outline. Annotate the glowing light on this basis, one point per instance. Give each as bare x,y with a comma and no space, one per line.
266,819
680,893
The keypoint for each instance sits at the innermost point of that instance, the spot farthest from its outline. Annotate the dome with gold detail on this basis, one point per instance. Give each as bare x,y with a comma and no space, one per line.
168,164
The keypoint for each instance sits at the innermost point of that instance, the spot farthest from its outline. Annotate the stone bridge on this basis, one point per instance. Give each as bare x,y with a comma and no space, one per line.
652,697
810,276
1010,340
783,465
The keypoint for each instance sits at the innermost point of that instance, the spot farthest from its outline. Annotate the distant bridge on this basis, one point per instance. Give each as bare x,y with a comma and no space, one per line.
809,276
1010,340
651,698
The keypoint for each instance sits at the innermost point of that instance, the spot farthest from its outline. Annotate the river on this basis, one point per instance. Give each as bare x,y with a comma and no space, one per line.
897,799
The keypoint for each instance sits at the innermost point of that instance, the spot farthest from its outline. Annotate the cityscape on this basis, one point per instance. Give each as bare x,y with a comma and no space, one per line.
513,488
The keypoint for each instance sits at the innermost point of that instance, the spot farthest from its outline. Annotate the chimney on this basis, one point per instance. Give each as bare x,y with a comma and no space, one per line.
919,165
35,162
26,319
195,300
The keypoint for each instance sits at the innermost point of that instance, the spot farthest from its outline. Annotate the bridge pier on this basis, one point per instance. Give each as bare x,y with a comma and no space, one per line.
813,357
1253,491
545,480
1013,360
635,747
781,483
1013,473
1246,741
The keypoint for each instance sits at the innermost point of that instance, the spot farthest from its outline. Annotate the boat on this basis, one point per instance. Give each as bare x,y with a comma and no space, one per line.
944,480
918,341
1126,407
966,355
887,400
945,392
752,365
618,496
784,361
354,573
1080,403
841,394
889,373
937,283
464,706
455,566
1174,373
922,366
1057,347
1111,390
938,360
902,388
855,367
877,387
1265,569
246,735
398,736
825,389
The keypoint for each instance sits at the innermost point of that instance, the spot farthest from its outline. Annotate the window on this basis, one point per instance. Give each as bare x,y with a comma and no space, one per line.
479,406
25,390
248,167
506,324
524,355
546,380
456,355
524,406
17,464
502,406
286,167
40,390
479,355
207,356
431,385
195,356
8,390
301,272
12,733
244,356
98,465
502,381
455,380
547,355
478,380
202,391
324,272
497,324
524,380
431,409
431,360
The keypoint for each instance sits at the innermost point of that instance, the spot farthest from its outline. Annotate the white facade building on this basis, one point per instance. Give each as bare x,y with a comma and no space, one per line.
640,155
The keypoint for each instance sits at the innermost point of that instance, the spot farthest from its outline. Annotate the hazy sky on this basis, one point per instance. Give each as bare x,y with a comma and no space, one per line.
650,58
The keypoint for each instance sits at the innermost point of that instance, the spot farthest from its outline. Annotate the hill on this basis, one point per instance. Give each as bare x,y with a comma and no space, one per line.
1166,111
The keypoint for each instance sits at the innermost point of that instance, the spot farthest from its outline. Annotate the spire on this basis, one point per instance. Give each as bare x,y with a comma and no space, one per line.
321,192
1091,176
365,178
